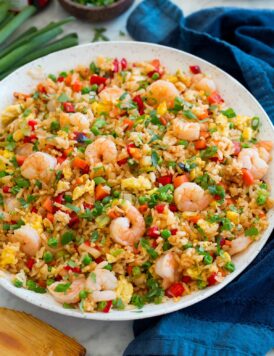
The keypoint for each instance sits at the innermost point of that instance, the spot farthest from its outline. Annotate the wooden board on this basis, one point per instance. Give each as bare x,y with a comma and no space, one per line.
22,334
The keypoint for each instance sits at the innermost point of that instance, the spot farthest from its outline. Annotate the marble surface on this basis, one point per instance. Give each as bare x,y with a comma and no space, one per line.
103,338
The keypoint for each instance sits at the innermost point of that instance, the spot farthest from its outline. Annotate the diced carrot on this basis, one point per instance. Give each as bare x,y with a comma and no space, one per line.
128,123
48,205
76,86
247,177
129,269
80,163
135,152
61,159
113,214
50,217
101,192
163,121
204,134
194,219
156,63
203,115
200,144
227,243
67,151
41,88
20,159
68,80
143,208
262,215
229,201
179,180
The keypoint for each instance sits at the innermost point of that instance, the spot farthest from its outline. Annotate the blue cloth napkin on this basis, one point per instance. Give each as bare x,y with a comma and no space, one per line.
240,41
238,320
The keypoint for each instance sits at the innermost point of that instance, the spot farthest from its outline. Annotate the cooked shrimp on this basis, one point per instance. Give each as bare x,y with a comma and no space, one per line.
102,283
203,83
39,165
249,158
71,295
78,120
162,90
29,239
111,94
166,268
239,244
129,229
191,197
11,204
25,150
189,131
101,150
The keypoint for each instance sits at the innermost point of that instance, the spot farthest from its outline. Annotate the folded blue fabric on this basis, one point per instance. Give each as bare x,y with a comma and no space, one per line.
238,320
240,41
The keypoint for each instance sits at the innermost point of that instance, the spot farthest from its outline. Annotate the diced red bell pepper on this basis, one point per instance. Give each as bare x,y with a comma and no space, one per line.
96,79
173,231
107,307
30,262
164,180
186,279
151,73
247,177
74,219
6,189
60,79
32,124
139,101
30,139
73,269
123,63
115,65
69,107
175,290
222,242
59,199
20,159
99,259
153,232
215,98
129,269
195,69
61,159
173,208
160,208
154,244
88,206
237,148
129,146
34,210
211,280
123,161
41,88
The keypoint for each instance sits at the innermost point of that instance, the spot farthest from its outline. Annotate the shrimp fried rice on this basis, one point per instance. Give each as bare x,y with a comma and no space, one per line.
122,184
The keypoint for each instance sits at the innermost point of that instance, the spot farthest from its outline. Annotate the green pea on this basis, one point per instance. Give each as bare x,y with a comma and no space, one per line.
83,294
165,234
208,259
136,271
230,266
87,260
52,242
48,257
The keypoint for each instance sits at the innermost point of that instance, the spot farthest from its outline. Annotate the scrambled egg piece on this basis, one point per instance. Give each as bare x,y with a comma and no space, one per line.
7,154
67,171
8,255
62,186
10,113
233,216
162,108
140,183
35,221
210,229
124,290
88,187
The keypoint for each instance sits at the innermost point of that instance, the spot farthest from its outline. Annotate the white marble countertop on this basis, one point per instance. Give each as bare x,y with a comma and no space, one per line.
103,338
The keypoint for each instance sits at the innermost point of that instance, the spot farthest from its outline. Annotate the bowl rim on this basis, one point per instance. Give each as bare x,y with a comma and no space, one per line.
166,308
75,5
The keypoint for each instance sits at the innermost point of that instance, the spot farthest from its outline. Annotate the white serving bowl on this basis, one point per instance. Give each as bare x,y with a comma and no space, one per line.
232,91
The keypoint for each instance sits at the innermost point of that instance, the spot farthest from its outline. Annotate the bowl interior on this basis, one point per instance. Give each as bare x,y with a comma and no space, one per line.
236,96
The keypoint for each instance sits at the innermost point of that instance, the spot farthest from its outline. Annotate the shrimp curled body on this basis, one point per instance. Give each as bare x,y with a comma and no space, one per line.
129,229
191,197
101,150
189,131
29,239
102,284
162,90
239,244
71,295
166,268
39,165
249,158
